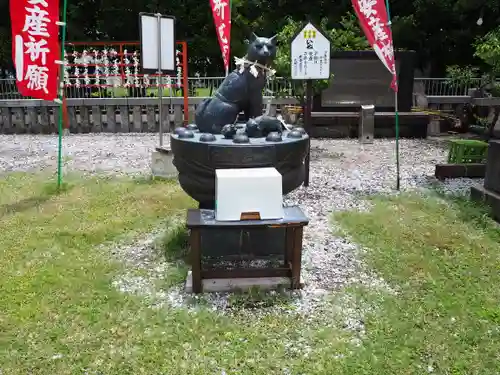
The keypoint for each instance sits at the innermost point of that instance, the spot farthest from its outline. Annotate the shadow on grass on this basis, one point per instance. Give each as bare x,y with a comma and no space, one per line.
174,246
175,243
257,298
48,191
152,180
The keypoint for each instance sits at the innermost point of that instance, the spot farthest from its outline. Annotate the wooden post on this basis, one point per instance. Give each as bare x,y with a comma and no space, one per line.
111,118
137,119
195,242
124,119
308,127
33,124
73,121
151,118
296,257
96,119
85,126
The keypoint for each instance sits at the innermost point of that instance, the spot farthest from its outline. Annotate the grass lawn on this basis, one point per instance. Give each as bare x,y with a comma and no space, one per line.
60,313
444,263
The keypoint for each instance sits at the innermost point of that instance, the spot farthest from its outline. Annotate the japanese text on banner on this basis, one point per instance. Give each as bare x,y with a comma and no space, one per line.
221,11
372,15
35,47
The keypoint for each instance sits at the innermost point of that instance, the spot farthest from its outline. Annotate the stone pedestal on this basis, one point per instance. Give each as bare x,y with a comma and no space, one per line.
162,163
434,127
366,124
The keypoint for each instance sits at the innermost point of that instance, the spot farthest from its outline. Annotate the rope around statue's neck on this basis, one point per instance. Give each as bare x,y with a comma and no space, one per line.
243,63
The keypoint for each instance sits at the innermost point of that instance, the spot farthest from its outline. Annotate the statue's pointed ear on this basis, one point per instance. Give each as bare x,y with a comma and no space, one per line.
274,39
254,36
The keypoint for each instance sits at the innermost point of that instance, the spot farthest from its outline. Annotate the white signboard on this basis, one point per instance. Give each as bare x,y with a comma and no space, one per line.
310,54
157,38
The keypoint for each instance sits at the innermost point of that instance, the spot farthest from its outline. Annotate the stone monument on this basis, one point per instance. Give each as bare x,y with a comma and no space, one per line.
489,193
218,141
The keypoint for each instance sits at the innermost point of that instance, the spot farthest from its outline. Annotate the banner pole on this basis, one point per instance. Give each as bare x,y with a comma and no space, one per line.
160,83
398,174
229,53
396,112
61,99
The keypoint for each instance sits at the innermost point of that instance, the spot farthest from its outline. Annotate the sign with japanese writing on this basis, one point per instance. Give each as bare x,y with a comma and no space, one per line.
221,11
310,54
374,21
35,47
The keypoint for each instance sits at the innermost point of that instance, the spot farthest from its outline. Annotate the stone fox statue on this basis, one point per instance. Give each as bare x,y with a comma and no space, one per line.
241,90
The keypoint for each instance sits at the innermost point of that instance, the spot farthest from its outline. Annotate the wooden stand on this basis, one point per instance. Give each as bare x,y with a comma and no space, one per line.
294,221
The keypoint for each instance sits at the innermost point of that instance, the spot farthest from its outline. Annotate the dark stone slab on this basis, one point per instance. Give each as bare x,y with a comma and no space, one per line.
479,193
444,171
492,177
341,125
206,219
360,78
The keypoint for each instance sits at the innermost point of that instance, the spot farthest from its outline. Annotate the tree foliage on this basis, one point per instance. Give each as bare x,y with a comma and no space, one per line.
442,32
487,49
346,37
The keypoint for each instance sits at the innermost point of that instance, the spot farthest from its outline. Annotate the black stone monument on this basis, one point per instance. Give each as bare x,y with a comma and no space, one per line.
489,193
361,78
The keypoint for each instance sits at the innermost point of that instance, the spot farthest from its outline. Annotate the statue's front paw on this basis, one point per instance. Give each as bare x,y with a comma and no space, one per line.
268,124
228,131
253,129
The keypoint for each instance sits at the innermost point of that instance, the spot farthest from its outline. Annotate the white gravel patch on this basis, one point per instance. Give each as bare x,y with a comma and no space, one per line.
92,153
341,171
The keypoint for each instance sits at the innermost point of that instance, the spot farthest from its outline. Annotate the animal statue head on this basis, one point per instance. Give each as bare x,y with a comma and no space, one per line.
261,49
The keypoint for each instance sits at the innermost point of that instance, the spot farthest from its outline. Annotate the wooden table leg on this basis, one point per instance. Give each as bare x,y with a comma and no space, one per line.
297,257
195,243
289,238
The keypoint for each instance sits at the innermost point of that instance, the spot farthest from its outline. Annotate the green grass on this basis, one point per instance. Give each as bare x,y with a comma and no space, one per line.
443,260
60,313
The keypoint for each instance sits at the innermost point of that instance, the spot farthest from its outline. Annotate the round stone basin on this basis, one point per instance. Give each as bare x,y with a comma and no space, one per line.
196,160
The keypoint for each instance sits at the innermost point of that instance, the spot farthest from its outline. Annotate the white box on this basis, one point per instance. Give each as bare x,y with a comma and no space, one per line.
244,190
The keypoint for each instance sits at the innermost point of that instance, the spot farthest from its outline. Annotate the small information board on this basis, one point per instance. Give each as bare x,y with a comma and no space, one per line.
310,54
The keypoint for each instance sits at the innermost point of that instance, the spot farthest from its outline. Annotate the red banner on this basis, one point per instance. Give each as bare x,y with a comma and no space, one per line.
221,11
35,47
372,15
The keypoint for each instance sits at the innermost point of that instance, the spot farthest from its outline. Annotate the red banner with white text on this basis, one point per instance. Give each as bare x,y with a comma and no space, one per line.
35,47
373,18
221,11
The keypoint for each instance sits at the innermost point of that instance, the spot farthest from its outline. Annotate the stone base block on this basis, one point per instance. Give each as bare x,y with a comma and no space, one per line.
161,164
240,284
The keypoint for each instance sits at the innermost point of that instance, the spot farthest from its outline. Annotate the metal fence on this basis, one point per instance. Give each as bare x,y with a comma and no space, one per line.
206,86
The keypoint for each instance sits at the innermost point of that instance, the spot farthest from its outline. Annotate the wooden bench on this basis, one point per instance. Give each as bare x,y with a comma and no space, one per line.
199,221
356,114
366,123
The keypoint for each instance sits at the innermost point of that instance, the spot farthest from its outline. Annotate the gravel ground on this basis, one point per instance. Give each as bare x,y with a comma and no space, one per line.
341,171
